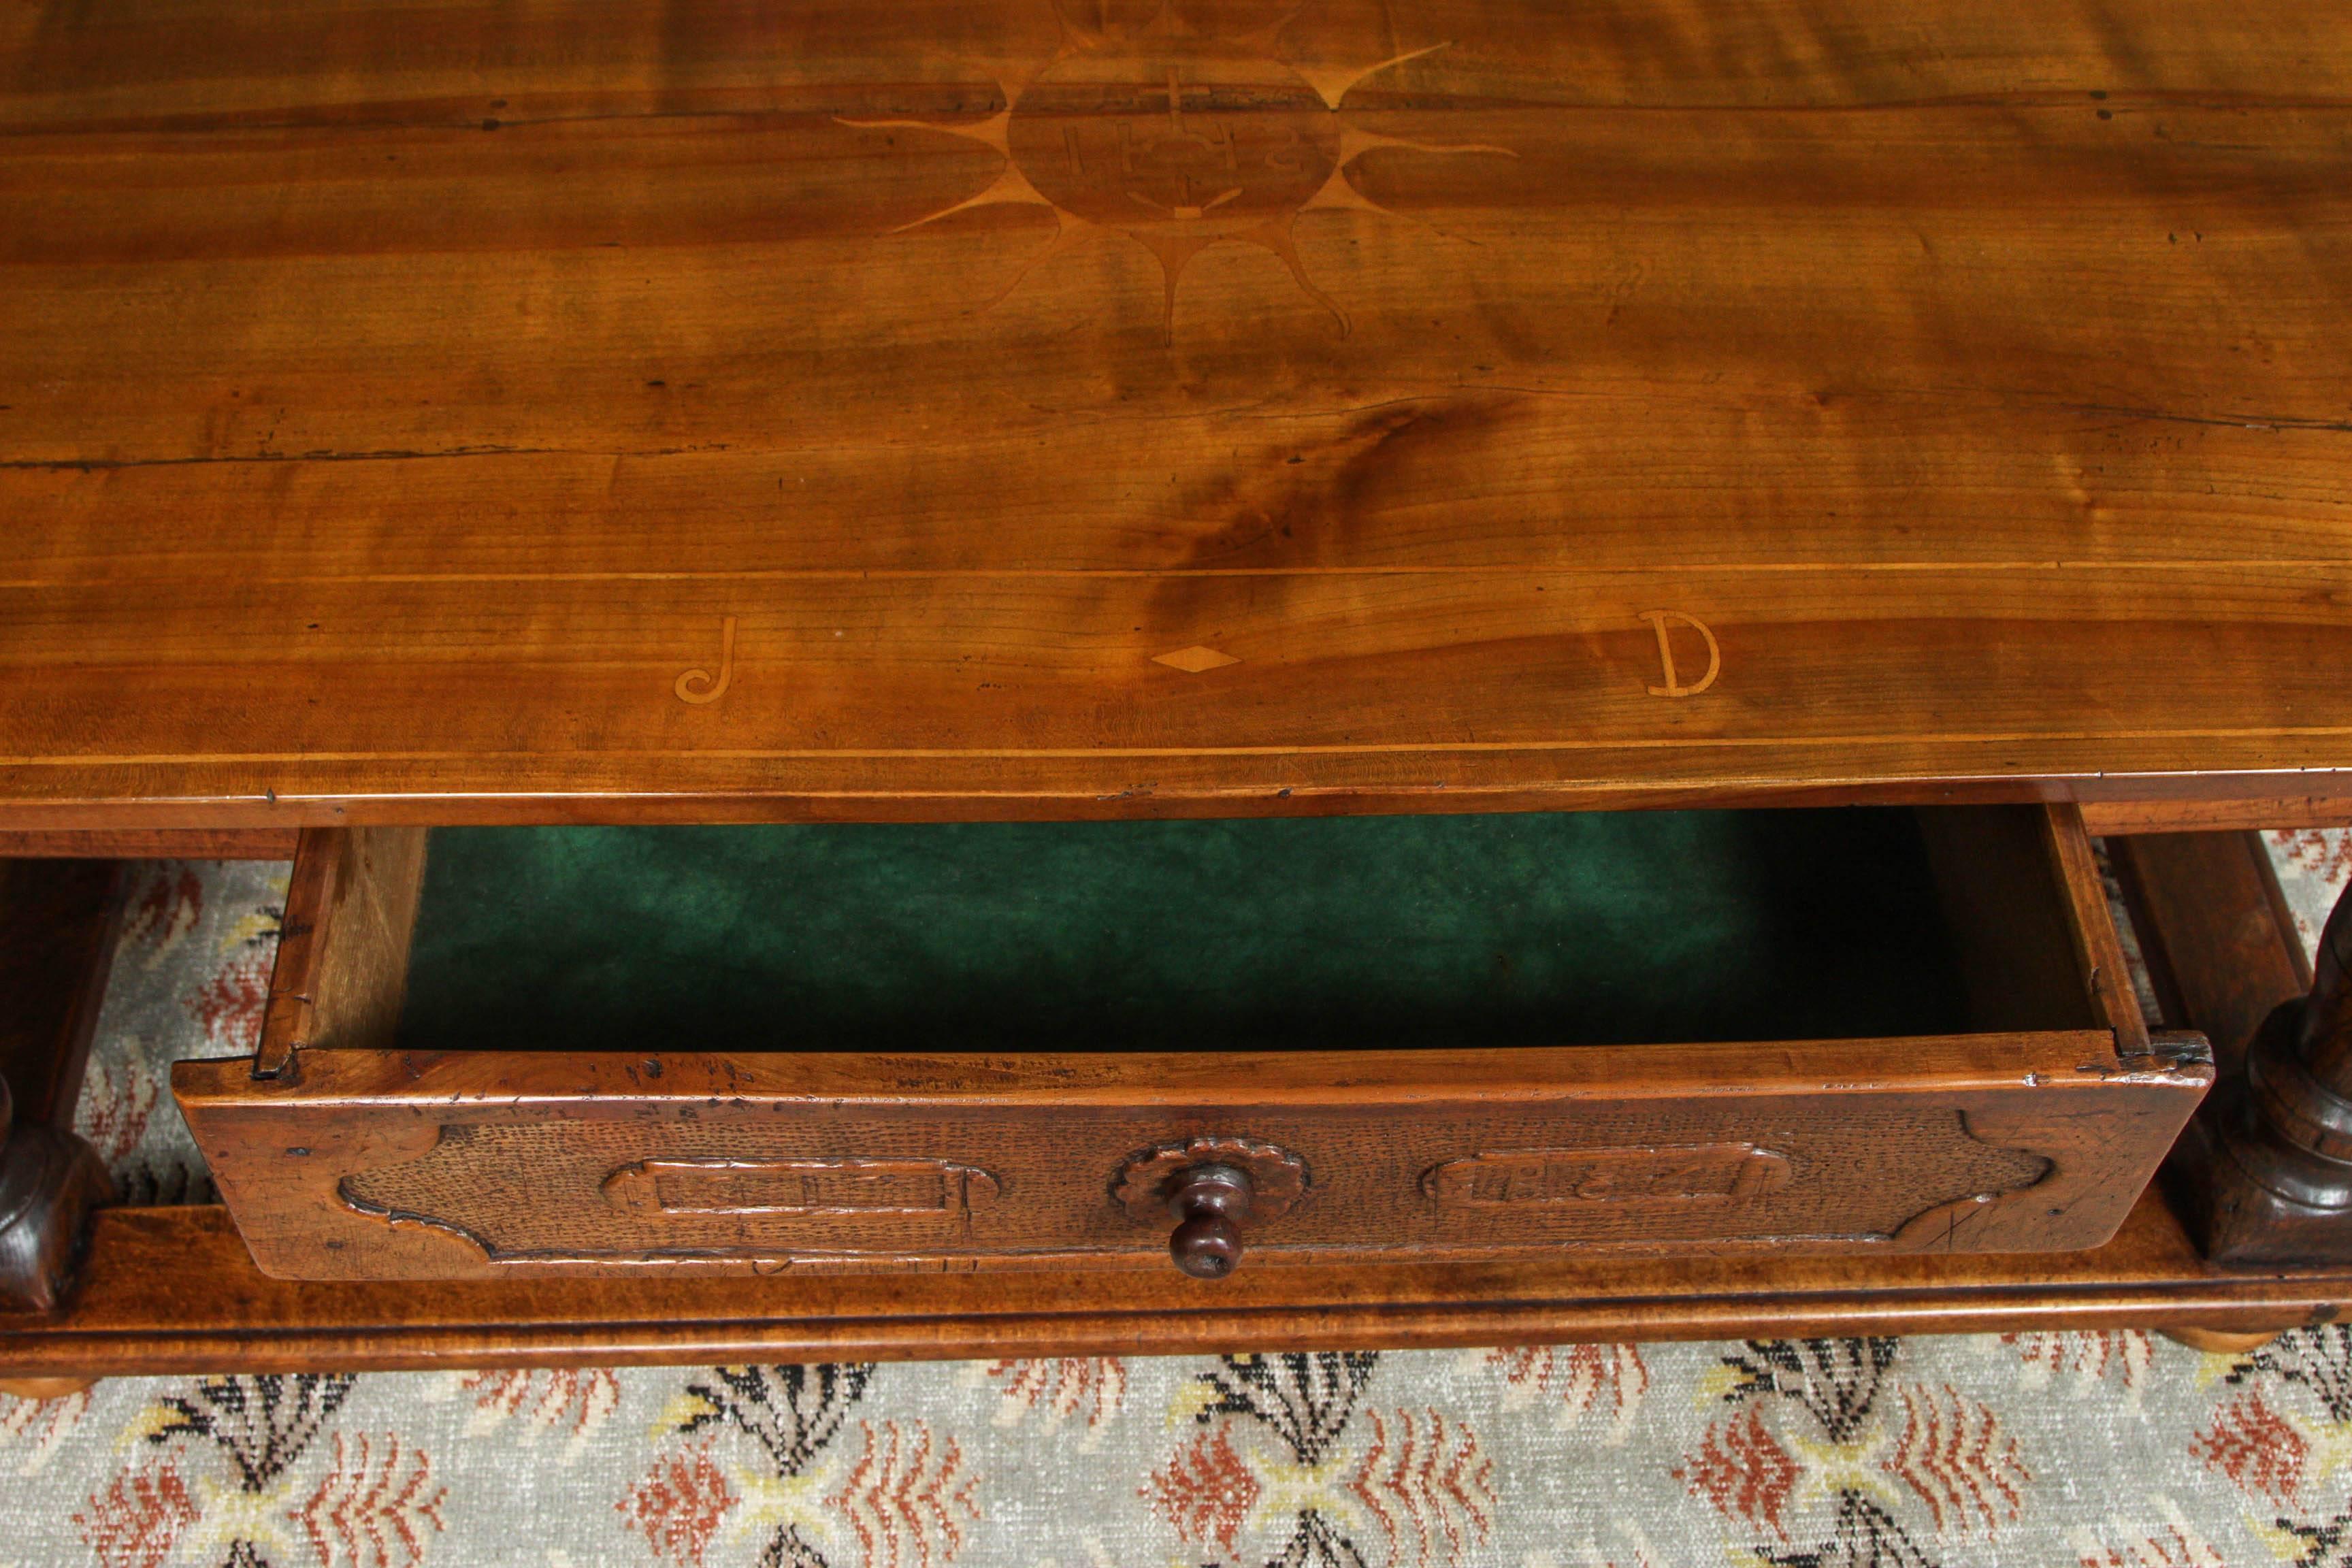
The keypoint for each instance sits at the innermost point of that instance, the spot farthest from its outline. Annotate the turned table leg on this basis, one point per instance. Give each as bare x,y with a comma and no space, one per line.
58,925
49,1181
2264,1174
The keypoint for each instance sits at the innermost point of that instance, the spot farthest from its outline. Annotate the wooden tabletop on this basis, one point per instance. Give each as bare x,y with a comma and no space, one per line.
576,410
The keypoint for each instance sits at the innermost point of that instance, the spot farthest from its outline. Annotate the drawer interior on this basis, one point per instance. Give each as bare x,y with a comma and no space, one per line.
1265,934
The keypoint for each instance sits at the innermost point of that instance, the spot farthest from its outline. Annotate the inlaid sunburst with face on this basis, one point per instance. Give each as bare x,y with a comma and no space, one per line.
1179,136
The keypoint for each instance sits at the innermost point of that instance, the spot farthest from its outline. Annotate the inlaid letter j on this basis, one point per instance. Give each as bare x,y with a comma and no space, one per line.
1659,621
699,685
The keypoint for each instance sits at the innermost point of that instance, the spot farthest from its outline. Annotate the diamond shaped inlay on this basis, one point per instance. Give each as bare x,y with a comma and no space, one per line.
1194,659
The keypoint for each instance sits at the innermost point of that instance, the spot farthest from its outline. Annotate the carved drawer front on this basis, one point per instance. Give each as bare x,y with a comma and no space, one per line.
382,1164
345,1150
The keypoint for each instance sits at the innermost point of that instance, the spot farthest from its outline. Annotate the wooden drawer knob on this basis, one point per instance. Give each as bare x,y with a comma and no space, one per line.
1210,1204
1211,1187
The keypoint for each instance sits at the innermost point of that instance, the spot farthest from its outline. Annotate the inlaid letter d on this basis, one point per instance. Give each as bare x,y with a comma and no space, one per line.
1658,620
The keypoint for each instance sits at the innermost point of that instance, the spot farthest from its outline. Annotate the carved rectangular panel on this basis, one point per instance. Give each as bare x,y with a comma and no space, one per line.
387,1164
722,1186
1715,1174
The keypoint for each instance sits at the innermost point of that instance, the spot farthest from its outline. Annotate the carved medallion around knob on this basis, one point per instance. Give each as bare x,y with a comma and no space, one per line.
1214,1189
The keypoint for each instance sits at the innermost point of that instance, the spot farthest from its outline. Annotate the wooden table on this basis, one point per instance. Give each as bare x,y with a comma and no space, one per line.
957,409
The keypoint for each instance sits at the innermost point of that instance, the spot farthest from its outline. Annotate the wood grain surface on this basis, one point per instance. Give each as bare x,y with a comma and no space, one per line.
342,969
151,844
2021,895
964,407
2238,814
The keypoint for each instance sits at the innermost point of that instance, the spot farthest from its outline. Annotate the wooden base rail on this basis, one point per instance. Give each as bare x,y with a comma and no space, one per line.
173,1291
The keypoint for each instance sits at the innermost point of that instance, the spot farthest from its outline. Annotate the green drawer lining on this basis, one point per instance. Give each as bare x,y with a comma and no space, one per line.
1490,930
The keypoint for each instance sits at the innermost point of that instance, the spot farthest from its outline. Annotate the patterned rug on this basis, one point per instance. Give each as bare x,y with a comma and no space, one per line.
2113,1450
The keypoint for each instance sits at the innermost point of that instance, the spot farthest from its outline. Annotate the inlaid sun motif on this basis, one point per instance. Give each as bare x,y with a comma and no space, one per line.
1179,134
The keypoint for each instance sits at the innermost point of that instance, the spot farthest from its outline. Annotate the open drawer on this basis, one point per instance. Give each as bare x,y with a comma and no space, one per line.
1016,1046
